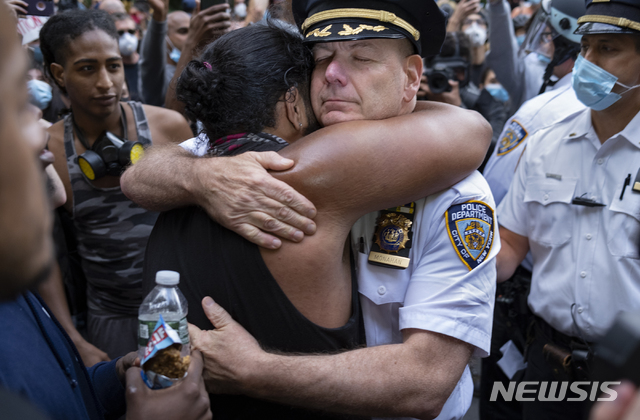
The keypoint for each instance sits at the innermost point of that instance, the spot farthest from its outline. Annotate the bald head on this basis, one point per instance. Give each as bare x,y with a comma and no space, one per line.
112,6
178,28
177,19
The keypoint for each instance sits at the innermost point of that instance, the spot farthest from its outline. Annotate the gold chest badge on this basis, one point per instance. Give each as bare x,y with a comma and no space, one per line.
391,241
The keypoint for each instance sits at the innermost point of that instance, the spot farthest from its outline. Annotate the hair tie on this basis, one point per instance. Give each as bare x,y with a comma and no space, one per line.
207,65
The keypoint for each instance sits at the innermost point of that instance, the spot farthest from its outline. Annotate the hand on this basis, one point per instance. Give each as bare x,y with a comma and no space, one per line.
89,353
185,400
126,362
18,7
229,351
250,202
160,8
626,406
207,25
464,9
452,97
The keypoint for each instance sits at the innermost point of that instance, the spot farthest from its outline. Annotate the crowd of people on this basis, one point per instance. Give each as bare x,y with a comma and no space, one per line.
360,199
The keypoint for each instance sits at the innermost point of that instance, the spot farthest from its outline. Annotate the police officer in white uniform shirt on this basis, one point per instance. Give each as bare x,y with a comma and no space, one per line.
511,315
575,203
447,285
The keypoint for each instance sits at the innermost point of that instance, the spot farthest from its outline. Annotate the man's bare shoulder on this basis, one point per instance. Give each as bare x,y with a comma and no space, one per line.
169,124
162,116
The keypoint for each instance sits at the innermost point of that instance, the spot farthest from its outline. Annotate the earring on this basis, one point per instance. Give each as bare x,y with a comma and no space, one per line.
300,125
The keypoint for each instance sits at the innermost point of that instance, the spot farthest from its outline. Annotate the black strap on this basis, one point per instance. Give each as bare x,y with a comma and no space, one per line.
83,138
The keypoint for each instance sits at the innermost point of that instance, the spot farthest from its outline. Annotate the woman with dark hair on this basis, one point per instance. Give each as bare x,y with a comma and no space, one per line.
249,89
237,87
82,56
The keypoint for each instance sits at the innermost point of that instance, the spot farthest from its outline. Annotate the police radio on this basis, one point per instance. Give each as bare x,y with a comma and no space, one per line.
109,155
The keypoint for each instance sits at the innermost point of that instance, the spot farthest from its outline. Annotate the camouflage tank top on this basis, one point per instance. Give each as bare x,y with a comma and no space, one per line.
112,231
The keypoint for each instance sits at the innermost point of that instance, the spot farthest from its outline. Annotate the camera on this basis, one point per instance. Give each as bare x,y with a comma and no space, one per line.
442,70
438,78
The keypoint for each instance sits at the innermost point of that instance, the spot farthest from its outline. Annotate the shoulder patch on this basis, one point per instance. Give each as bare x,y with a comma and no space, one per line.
471,230
515,134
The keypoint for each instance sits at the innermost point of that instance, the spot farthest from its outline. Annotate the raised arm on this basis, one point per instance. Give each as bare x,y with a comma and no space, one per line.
503,57
153,55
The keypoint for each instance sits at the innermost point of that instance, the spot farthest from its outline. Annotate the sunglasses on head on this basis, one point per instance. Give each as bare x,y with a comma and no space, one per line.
131,31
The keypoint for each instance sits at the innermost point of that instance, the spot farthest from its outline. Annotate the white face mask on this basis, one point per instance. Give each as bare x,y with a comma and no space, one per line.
240,10
476,34
128,44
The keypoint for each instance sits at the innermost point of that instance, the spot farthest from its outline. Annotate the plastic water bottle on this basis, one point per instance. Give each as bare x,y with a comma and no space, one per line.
167,300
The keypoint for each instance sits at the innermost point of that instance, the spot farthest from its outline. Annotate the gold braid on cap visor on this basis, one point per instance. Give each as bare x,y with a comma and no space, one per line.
379,15
621,22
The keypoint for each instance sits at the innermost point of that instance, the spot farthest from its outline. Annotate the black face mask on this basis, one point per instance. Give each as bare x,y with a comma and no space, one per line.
109,155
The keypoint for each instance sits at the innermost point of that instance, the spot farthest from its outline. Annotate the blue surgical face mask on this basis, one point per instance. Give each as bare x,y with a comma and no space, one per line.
175,55
498,92
534,2
543,58
40,93
593,85
520,39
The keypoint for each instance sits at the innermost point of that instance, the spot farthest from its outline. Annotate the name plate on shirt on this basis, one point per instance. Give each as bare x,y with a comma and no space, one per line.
392,238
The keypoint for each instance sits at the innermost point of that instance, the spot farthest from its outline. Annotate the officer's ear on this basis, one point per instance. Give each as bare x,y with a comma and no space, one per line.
413,72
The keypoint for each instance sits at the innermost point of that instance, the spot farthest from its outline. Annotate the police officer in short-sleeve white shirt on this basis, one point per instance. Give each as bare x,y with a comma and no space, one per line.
448,285
575,204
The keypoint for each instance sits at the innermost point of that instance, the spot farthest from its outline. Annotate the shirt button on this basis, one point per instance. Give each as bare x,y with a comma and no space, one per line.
583,274
600,161
382,290
546,197
580,310
588,236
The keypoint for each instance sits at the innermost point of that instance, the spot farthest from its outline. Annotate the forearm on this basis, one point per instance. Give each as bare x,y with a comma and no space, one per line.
52,292
514,249
360,382
162,180
153,56
503,56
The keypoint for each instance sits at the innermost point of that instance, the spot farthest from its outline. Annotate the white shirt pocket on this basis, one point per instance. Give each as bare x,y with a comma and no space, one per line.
623,232
381,285
550,219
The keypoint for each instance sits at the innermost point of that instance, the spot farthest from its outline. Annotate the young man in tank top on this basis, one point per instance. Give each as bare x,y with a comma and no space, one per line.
82,56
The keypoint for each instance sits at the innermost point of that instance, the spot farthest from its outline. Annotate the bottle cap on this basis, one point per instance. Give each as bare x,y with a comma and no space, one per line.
167,278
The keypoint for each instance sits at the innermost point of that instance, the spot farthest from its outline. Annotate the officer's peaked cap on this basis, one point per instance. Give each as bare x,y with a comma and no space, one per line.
420,21
610,16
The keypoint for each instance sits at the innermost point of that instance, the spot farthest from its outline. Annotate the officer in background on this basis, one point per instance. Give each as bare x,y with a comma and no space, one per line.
575,204
512,316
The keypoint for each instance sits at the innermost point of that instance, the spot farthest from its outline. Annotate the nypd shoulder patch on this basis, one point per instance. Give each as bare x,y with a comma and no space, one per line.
515,134
471,229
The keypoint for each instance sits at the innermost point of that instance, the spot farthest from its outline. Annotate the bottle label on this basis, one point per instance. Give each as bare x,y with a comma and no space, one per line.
146,327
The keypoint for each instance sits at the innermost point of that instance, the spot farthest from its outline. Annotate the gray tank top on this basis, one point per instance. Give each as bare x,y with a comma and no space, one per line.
112,231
